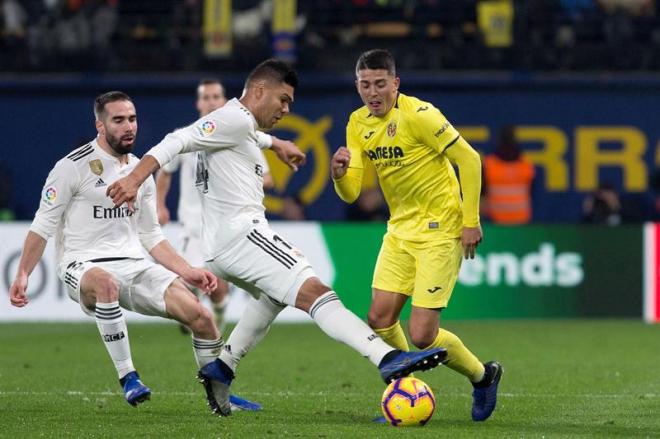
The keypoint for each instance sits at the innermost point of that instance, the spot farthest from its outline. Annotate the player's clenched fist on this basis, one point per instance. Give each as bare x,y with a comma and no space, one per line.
339,162
123,191
202,279
288,152
17,295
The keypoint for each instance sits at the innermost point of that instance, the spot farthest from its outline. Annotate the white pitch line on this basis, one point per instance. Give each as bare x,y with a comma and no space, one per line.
300,394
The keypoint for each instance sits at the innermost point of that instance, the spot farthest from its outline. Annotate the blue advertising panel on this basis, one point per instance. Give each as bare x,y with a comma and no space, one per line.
579,134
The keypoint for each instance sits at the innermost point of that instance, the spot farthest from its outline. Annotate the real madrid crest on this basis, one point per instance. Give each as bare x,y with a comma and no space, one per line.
96,166
391,129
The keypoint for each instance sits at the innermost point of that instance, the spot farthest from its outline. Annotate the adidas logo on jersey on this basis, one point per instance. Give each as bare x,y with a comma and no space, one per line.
100,183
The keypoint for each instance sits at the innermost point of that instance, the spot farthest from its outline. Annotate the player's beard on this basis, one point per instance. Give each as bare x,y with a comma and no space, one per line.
117,145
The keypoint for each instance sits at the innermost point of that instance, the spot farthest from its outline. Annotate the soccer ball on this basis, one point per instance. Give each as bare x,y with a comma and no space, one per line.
408,401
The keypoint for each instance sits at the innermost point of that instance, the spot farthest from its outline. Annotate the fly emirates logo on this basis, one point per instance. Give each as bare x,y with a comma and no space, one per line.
101,212
542,268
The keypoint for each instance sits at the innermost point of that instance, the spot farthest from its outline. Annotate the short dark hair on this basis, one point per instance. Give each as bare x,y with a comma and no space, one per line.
209,81
273,70
105,98
376,59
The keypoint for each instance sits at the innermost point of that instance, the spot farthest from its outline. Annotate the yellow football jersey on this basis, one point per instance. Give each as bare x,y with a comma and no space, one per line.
406,146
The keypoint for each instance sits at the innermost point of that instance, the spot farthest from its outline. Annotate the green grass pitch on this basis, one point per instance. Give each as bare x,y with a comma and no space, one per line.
568,378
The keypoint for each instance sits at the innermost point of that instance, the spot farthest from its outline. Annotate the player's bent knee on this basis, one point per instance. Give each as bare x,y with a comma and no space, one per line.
106,289
375,320
422,339
310,290
314,287
379,320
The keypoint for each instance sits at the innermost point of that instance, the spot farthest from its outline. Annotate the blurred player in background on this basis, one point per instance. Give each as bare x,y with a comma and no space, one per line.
210,97
239,244
412,147
100,248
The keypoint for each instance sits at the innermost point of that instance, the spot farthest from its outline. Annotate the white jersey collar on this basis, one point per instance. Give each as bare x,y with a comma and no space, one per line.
236,102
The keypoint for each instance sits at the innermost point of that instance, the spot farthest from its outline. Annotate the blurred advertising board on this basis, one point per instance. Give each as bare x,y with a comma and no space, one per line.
519,272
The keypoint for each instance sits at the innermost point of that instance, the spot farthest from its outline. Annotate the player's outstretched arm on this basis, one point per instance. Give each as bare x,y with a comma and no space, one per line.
33,249
165,255
125,189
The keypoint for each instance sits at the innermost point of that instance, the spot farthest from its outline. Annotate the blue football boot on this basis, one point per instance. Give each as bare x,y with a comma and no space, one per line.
397,364
134,391
484,395
216,377
239,404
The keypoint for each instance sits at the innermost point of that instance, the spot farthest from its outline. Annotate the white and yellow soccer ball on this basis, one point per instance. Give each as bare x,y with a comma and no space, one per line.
408,401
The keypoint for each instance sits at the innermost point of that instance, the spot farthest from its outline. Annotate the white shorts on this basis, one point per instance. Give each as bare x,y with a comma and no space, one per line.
259,261
142,283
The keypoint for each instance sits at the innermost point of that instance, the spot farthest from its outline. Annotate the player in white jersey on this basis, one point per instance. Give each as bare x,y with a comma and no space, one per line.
210,97
100,248
238,243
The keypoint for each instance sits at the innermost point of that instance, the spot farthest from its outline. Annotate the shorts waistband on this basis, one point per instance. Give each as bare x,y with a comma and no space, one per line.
108,259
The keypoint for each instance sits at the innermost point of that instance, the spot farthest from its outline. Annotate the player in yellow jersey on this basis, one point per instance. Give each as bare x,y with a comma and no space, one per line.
434,220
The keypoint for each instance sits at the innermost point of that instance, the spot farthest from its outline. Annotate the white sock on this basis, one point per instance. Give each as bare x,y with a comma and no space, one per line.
112,326
251,328
339,323
206,351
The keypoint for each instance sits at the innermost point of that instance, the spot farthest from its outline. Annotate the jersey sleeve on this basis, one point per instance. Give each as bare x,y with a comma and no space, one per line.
264,141
149,230
173,165
433,129
173,144
218,130
61,185
469,171
348,187
353,144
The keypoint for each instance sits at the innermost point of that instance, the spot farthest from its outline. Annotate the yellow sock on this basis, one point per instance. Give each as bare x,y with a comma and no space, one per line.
459,358
394,336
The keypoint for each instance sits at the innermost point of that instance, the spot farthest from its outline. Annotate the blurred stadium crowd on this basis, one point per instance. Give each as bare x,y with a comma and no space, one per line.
109,36
138,35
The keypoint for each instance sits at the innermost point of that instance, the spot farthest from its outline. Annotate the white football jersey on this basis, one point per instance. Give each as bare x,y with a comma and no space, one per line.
75,208
189,208
229,171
